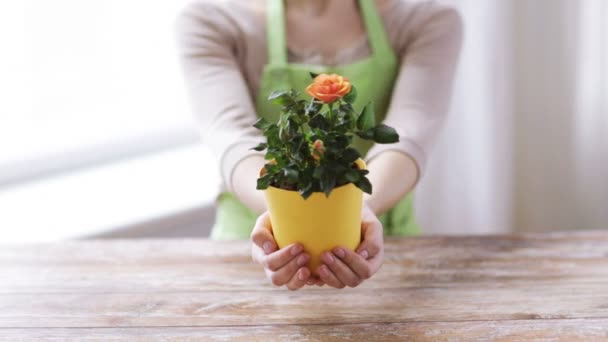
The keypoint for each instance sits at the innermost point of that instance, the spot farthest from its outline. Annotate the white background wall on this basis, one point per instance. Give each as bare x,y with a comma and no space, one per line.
525,145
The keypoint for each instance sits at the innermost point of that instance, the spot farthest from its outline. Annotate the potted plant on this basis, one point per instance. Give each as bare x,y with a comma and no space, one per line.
314,179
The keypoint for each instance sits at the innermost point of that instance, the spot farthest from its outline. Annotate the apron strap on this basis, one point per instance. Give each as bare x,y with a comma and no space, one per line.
277,37
276,33
376,34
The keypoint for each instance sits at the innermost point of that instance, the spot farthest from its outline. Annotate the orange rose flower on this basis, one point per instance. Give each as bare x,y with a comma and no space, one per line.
328,88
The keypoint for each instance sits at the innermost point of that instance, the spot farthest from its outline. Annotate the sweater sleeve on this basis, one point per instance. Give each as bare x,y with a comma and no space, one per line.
207,42
423,87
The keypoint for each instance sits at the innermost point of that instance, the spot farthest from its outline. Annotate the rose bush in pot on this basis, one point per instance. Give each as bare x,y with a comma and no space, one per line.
314,179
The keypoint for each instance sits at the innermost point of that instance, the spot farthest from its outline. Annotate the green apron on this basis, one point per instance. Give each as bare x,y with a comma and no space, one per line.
374,78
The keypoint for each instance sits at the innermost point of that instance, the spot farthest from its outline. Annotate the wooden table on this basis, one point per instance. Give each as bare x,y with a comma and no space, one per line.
552,286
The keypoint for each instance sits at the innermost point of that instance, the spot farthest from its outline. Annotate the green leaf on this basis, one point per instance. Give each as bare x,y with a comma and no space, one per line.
278,94
352,176
284,129
347,108
343,126
318,172
320,122
260,147
352,95
313,108
283,97
384,134
367,118
291,175
263,182
364,184
296,144
307,191
262,124
313,75
350,155
367,135
271,168
331,151
328,183
336,167
270,155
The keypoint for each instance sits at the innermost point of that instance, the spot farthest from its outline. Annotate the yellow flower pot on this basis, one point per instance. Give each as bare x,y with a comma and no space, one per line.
319,223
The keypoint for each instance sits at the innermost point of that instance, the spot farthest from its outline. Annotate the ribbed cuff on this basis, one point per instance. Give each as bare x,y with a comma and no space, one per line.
234,154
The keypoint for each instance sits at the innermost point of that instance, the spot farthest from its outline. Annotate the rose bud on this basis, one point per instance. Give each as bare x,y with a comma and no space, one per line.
318,148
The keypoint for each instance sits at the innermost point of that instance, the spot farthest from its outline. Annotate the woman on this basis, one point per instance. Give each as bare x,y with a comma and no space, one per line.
399,53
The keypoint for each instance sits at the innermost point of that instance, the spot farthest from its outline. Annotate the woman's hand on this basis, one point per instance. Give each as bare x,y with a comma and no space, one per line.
287,266
342,267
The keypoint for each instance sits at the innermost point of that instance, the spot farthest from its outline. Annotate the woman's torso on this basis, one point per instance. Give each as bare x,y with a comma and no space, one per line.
246,25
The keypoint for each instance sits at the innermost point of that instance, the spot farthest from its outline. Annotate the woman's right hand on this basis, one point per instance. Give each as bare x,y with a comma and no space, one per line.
285,266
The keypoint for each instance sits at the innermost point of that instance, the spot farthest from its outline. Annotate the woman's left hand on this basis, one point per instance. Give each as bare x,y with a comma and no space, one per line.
342,267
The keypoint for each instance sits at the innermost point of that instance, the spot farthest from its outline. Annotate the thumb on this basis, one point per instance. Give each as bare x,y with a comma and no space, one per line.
262,236
372,234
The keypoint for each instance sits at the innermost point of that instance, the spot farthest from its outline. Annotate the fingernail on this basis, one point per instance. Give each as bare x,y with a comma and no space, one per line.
267,247
323,271
363,254
295,250
301,275
340,252
328,258
302,260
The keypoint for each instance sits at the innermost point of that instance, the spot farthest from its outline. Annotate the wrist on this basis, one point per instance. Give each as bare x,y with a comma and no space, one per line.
368,201
244,183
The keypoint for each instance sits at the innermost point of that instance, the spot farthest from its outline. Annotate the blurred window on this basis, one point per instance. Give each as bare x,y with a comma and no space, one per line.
85,82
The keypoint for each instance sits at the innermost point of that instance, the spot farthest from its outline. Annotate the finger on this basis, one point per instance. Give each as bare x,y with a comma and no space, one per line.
275,261
314,280
299,279
347,276
354,261
329,277
283,275
261,235
373,239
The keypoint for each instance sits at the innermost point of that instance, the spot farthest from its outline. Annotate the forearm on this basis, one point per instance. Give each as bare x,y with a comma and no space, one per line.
392,174
244,181
418,106
207,43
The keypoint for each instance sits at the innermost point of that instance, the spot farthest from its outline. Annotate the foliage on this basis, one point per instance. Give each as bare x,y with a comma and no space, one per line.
310,148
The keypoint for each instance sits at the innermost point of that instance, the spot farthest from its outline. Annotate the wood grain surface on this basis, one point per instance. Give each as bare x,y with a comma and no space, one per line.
518,287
